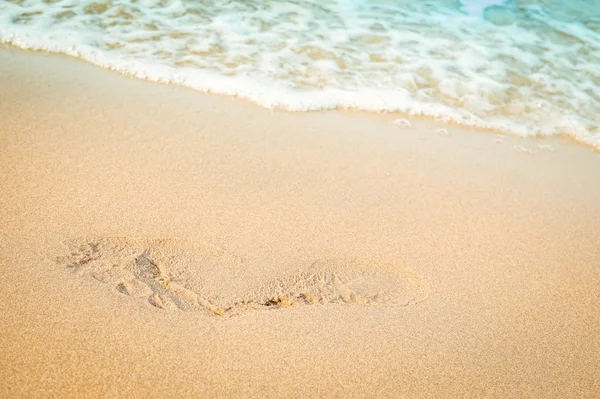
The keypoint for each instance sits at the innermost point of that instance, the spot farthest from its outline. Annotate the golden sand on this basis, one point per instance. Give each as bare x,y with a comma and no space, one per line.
157,242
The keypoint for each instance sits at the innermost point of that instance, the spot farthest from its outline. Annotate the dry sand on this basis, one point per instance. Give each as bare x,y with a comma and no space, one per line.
156,242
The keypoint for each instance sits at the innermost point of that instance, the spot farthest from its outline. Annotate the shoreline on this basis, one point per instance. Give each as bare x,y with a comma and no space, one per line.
504,243
427,119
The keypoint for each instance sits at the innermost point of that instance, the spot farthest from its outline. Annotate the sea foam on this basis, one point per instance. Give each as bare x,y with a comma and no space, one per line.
524,67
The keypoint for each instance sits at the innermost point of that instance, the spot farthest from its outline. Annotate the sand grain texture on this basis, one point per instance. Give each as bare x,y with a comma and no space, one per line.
158,242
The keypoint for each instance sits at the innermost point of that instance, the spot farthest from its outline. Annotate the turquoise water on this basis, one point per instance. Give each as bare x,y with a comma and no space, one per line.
523,67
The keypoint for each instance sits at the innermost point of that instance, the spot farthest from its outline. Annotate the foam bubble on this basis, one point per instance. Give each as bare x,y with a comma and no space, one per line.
402,122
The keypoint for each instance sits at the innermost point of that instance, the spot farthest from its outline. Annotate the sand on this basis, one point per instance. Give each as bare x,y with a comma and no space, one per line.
159,242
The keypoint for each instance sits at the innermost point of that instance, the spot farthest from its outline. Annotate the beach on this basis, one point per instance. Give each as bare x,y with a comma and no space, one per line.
159,242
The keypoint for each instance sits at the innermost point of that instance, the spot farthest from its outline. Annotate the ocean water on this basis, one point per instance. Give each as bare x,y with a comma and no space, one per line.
527,67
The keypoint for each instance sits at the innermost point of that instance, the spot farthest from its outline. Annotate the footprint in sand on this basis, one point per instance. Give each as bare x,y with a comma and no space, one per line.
177,274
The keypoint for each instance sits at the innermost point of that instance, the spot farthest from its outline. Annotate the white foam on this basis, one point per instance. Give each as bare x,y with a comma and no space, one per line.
529,70
546,147
522,149
402,122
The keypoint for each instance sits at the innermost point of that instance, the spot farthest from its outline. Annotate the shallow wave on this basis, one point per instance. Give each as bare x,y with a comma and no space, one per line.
526,67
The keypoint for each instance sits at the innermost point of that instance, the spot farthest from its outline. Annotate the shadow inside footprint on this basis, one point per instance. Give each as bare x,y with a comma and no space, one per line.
176,274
